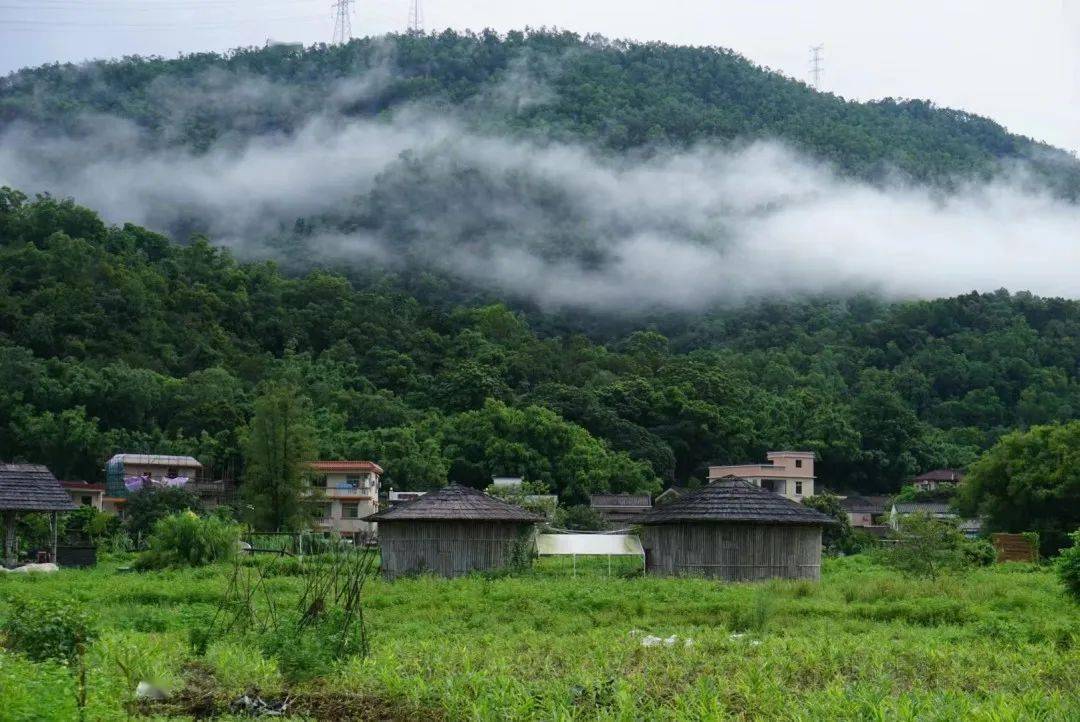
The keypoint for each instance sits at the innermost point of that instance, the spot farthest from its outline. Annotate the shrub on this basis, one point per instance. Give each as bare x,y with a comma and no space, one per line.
189,540
978,552
924,546
579,518
835,538
148,505
45,629
1068,567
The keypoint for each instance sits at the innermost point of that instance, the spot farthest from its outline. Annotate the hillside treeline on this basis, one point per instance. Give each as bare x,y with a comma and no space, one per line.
115,339
556,85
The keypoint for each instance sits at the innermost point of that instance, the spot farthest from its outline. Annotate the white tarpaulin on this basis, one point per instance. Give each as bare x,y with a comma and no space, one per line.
588,544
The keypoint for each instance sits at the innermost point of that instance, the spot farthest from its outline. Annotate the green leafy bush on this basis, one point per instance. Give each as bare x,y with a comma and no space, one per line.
150,504
189,540
924,546
44,629
978,552
1068,567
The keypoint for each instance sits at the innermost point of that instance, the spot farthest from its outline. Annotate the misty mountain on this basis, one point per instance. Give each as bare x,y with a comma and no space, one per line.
621,96
554,171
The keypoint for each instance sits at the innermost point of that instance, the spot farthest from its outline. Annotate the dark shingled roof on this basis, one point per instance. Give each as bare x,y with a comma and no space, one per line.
735,500
31,487
866,504
455,503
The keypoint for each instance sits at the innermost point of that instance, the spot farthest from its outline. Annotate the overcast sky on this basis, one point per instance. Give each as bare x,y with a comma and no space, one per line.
1017,62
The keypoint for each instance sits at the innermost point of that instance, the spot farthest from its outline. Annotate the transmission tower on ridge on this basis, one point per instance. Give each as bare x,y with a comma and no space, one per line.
816,64
416,17
342,21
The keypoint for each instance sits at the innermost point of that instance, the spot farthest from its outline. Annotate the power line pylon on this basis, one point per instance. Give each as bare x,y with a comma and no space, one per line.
342,21
416,17
816,64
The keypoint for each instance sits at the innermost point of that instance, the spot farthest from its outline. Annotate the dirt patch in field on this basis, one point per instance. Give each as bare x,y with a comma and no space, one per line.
202,698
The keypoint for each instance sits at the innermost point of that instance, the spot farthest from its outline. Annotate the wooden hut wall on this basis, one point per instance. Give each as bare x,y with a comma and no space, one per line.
736,552
449,548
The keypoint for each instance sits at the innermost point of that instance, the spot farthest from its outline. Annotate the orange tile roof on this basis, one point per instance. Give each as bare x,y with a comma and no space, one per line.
346,466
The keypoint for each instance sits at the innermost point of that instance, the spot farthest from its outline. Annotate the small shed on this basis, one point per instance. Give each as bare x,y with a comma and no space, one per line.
734,530
452,532
26,488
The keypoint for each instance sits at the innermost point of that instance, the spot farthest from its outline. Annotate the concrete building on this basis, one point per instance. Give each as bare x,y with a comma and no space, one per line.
84,493
865,511
788,473
126,474
938,479
348,491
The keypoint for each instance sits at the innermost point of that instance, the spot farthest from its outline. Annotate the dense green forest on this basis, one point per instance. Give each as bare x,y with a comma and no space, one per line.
118,338
115,338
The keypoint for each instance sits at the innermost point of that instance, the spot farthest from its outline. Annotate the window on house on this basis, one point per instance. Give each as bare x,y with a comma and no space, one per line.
353,480
350,510
172,472
798,463
87,501
798,487
321,509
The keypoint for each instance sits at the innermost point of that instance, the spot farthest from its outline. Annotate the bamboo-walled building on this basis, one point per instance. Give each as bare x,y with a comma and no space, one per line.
734,530
452,532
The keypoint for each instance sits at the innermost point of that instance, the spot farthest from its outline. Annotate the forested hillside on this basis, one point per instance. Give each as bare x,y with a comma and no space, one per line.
569,258
114,338
621,95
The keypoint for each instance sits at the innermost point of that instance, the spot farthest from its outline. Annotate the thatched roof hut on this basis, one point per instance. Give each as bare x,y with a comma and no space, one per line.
29,488
451,532
732,529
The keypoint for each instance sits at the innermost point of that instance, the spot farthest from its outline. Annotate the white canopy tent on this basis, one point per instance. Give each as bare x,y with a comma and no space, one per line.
575,545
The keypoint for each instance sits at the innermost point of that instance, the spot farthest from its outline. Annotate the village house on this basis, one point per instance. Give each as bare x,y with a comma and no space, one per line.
865,511
83,493
970,528
347,491
788,473
127,473
620,509
938,479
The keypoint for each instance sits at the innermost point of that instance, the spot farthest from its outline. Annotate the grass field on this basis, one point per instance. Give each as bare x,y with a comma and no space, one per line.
999,643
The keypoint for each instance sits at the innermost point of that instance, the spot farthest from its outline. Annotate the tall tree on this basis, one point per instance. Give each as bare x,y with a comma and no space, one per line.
1029,481
277,443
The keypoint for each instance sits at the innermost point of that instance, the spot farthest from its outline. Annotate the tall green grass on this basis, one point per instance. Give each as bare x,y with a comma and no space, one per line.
999,643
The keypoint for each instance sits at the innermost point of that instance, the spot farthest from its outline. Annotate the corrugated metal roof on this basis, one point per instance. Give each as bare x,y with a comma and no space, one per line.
32,487
455,503
735,500
156,460
346,466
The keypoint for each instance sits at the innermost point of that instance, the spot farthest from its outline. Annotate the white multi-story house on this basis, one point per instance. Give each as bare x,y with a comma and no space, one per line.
789,473
349,491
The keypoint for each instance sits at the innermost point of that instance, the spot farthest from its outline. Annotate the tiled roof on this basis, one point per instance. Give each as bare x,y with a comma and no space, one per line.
455,503
620,500
941,475
82,486
865,504
346,466
928,507
735,500
31,487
